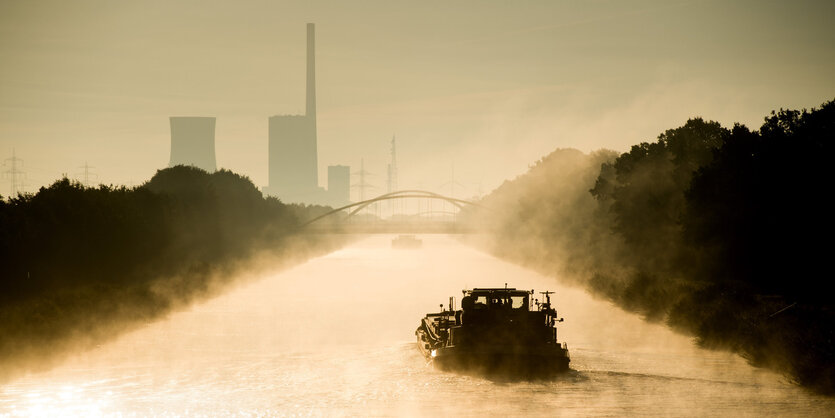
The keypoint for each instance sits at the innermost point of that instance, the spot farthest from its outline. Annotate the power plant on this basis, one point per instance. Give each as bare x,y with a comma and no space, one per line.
291,150
193,142
293,153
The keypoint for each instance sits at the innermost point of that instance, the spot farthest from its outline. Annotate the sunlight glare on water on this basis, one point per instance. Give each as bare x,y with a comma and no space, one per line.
335,336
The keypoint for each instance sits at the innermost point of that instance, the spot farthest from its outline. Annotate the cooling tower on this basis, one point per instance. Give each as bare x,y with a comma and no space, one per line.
193,142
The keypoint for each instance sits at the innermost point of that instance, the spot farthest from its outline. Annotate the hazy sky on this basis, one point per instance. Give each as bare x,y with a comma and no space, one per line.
488,87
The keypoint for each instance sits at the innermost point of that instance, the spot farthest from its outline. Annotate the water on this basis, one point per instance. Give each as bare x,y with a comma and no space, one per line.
335,337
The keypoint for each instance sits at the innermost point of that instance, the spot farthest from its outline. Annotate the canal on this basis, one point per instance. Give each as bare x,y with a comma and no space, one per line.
335,337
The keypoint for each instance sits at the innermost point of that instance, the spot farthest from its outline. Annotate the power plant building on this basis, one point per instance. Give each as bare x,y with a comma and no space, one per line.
292,150
193,142
293,169
293,153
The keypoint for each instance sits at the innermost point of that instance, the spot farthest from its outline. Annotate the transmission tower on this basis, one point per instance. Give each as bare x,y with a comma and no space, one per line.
392,168
452,183
391,184
86,174
362,186
14,174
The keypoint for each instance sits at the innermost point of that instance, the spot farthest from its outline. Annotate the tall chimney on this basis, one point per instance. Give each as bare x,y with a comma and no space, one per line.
311,71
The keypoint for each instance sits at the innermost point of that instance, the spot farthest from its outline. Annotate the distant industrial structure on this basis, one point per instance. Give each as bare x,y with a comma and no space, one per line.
392,168
193,142
292,149
14,174
362,185
293,154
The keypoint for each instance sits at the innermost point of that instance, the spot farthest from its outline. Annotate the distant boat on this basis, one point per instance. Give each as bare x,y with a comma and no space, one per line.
497,331
406,241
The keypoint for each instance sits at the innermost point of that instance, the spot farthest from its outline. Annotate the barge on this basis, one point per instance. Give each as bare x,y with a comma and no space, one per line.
497,331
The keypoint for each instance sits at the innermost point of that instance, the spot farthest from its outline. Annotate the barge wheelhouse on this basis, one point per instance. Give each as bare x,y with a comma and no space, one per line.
497,330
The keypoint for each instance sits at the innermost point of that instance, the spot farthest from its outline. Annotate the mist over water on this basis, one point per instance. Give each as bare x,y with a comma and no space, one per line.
334,336
173,296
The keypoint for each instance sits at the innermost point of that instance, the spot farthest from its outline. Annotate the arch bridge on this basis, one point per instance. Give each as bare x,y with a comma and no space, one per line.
331,221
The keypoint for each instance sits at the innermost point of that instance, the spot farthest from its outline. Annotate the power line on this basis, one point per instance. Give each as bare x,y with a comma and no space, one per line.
14,174
452,183
392,168
394,206
86,174
362,186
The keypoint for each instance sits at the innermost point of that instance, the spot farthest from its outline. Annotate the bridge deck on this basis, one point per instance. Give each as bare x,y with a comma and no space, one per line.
393,228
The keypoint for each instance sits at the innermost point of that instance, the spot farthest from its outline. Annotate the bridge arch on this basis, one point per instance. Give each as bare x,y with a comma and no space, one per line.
400,194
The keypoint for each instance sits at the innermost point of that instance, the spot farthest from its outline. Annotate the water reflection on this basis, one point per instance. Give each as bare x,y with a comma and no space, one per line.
334,336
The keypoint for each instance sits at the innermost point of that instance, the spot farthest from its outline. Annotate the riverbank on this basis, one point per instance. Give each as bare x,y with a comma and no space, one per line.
713,231
254,350
83,265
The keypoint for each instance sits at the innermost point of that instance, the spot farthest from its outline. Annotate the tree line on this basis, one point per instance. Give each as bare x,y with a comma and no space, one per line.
720,232
81,261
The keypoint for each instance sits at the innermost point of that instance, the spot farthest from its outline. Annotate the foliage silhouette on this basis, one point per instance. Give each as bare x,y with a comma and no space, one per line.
721,233
81,263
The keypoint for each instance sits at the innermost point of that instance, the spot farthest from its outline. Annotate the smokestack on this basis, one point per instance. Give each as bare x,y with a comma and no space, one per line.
193,142
311,71
293,153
